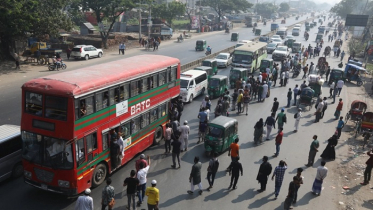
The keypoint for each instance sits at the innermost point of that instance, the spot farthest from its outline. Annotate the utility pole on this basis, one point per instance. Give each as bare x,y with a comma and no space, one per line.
150,19
140,21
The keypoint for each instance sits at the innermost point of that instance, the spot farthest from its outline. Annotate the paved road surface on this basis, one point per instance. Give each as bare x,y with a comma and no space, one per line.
173,184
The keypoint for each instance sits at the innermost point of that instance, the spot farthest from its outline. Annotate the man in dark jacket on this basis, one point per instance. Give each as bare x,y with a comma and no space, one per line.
264,171
195,176
368,169
234,171
275,106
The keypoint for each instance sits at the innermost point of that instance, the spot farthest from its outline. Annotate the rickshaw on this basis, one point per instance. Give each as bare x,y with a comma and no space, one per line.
308,28
357,111
264,39
322,65
237,73
353,72
258,32
234,36
337,43
306,97
206,69
327,51
267,62
217,85
296,47
319,37
366,123
200,45
315,83
335,75
221,132
213,63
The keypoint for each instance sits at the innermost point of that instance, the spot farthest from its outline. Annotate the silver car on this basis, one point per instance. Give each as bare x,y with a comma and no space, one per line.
271,47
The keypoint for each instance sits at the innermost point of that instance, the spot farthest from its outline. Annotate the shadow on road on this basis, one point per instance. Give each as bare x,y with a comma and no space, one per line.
260,202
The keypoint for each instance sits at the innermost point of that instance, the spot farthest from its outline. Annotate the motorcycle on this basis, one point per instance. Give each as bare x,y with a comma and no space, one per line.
227,30
57,66
180,39
265,23
208,52
296,71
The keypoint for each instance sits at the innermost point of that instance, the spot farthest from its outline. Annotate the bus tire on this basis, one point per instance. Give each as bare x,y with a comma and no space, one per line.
158,135
99,174
191,98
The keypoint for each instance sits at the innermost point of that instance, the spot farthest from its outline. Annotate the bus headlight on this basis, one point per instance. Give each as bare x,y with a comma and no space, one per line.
63,183
27,174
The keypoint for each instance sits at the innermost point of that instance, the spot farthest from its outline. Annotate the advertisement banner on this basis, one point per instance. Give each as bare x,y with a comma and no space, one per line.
195,22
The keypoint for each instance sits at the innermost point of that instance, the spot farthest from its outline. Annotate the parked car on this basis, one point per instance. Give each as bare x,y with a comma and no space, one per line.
86,52
223,59
276,41
280,53
271,47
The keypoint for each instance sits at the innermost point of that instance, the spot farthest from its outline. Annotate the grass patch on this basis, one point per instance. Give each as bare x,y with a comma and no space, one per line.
179,22
369,68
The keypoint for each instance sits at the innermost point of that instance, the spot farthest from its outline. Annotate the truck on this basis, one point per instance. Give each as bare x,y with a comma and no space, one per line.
249,21
162,31
43,48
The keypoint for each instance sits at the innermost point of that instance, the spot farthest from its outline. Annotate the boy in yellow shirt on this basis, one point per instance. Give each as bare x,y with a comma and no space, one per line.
153,196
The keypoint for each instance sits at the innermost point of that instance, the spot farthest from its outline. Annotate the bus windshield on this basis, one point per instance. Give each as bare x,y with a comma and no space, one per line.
242,58
215,132
184,83
47,151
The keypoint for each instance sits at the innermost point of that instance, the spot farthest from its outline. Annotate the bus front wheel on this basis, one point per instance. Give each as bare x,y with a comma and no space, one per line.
99,175
158,135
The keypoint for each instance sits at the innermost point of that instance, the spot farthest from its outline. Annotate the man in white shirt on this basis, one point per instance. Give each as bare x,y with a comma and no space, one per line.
120,142
141,176
84,202
268,70
260,78
324,107
184,134
340,84
297,119
319,109
321,174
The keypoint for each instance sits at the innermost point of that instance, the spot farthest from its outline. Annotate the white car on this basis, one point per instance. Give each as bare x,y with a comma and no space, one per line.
276,41
280,53
223,59
86,52
276,37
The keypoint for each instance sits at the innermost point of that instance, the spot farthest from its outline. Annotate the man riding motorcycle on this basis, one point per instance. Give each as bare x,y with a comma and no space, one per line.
180,38
227,30
208,50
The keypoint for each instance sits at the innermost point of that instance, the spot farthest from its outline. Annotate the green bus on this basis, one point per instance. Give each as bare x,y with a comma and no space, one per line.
249,56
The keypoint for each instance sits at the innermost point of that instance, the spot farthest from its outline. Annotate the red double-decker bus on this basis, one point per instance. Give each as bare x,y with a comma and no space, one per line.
70,118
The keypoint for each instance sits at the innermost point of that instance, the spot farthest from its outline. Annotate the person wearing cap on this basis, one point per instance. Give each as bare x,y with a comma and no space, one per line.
153,196
84,202
184,134
141,175
297,117
142,159
195,176
132,183
281,119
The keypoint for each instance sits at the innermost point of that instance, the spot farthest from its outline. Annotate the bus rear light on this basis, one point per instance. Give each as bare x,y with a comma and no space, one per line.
81,49
63,183
27,174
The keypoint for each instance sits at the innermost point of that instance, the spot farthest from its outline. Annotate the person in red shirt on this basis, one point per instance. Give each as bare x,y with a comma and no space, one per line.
279,136
264,76
368,169
142,159
338,109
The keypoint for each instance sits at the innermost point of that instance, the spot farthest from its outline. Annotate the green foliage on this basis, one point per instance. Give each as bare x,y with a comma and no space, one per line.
225,6
284,7
266,9
344,7
168,11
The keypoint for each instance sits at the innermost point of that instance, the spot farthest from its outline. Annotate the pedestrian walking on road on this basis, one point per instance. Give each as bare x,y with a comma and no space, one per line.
305,70
195,176
291,193
300,182
331,90
281,119
141,159
342,55
175,151
234,171
338,110
265,170
107,198
327,74
289,95
142,175
234,99
233,150
329,151
184,135
325,106
321,174
340,84
278,142
319,108
122,47
279,173
239,101
212,169
168,136
275,106
68,53
295,93
84,202
270,123
258,131
297,117
368,169
313,150
132,183
340,125
153,196
246,101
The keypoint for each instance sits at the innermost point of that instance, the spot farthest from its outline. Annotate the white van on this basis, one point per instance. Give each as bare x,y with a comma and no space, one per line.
192,84
283,32
10,152
242,42
295,31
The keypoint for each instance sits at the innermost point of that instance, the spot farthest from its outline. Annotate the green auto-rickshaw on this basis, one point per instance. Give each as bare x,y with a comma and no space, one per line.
258,32
319,38
221,132
289,43
306,24
296,47
267,62
200,45
308,28
213,63
234,36
217,85
335,75
207,69
237,73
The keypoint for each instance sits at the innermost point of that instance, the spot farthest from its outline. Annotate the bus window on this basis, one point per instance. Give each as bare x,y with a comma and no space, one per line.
153,115
126,91
173,73
135,125
105,141
82,108
125,130
34,103
89,105
121,93
145,120
162,78
145,85
102,100
80,152
164,109
56,107
155,81
112,96
134,89
91,140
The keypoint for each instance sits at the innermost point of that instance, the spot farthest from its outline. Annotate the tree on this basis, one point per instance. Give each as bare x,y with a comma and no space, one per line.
344,7
107,10
284,7
265,9
225,6
22,18
168,11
